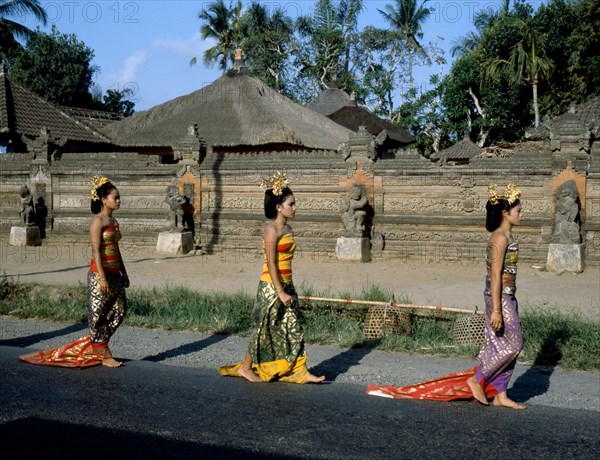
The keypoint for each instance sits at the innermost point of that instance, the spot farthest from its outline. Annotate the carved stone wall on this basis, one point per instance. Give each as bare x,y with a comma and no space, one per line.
422,211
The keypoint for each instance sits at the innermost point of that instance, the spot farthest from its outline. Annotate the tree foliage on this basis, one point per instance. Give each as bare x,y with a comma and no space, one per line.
11,31
57,67
116,101
268,42
222,23
553,49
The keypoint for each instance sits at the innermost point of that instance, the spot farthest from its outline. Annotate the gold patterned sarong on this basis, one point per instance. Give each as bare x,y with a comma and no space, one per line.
80,353
277,346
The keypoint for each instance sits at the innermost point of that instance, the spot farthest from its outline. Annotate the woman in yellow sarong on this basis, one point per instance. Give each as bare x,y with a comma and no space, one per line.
107,280
276,350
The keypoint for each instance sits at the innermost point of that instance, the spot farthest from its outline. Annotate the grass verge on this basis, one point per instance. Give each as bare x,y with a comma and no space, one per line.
551,338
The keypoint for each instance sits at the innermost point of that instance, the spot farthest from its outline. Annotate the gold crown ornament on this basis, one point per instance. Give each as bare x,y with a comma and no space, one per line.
276,183
96,183
511,194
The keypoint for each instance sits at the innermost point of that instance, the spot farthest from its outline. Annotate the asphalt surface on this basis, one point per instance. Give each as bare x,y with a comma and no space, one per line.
168,401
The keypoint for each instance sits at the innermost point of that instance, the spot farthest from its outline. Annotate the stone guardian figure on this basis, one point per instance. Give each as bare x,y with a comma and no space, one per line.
26,209
354,212
566,221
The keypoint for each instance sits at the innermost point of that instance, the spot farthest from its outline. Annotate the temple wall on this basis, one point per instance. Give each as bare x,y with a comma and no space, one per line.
423,211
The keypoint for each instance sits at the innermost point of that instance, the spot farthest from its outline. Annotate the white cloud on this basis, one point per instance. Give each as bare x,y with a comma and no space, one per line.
189,47
128,73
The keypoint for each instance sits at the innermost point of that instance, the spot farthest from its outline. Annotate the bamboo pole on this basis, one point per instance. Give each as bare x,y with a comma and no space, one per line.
390,304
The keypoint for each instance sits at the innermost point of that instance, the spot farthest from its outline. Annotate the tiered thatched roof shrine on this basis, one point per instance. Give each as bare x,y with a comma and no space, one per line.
237,112
338,106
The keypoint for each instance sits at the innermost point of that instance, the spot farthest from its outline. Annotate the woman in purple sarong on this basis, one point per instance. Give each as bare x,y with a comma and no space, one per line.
503,332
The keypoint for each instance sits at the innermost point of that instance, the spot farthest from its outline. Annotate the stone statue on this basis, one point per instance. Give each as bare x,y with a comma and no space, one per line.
566,220
27,210
176,203
354,211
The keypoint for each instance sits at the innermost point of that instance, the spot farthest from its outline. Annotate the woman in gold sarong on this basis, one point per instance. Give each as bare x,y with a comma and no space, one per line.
107,280
276,350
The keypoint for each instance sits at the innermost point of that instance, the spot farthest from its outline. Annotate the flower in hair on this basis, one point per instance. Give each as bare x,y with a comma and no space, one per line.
511,194
276,183
97,182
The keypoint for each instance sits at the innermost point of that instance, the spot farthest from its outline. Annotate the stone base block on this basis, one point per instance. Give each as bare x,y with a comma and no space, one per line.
175,242
565,258
353,249
25,236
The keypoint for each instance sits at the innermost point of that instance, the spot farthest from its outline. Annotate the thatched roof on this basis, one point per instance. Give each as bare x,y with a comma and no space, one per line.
338,106
235,110
96,119
23,114
461,151
330,100
352,117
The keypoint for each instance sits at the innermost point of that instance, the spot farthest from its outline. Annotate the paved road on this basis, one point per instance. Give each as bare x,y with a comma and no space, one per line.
148,410
168,402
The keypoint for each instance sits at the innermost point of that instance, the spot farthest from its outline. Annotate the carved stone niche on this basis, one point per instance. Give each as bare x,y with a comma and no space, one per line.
191,149
362,148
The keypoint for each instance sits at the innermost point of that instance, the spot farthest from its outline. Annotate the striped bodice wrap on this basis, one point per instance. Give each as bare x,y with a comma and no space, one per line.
109,251
285,253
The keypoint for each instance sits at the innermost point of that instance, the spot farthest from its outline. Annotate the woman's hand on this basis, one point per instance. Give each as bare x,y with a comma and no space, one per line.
496,320
104,287
285,298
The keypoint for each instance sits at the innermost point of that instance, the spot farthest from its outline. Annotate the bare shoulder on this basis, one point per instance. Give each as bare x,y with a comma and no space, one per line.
98,222
270,233
498,239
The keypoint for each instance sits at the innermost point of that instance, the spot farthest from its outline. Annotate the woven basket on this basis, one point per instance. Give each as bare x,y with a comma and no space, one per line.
382,320
468,330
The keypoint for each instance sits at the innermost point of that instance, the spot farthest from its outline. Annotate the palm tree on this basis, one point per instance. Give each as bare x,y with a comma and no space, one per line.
527,61
10,30
406,17
222,24
482,20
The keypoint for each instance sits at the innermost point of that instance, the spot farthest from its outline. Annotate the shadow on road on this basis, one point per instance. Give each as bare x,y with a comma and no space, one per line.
339,364
536,380
186,349
24,342
70,441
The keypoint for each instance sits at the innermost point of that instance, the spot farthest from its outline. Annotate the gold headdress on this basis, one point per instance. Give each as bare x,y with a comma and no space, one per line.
276,183
511,194
97,182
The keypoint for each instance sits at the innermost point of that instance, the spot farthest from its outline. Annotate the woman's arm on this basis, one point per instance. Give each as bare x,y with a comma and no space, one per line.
123,271
271,238
95,242
499,244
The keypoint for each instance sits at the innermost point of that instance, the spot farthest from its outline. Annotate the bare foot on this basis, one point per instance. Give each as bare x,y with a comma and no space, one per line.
477,391
313,379
249,374
111,362
502,400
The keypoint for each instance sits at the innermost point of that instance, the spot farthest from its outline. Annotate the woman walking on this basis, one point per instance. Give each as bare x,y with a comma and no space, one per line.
107,280
276,350
503,332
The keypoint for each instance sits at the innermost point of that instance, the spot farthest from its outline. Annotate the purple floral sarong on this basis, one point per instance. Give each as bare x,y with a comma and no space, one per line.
499,353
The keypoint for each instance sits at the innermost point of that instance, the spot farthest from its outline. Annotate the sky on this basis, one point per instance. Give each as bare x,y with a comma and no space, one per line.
147,45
